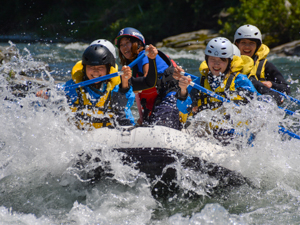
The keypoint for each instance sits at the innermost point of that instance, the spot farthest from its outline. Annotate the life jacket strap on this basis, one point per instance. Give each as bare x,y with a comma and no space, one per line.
259,69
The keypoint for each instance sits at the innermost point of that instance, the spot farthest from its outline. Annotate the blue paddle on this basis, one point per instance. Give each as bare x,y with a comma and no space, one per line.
210,93
287,96
214,95
286,131
106,77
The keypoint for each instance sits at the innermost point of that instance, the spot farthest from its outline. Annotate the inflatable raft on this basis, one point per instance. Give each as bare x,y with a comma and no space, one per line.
157,151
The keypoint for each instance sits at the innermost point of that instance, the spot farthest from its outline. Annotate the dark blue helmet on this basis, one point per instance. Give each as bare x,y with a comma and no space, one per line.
97,54
129,32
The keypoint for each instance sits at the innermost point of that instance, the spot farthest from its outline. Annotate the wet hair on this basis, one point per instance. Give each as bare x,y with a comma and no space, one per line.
135,49
107,68
224,60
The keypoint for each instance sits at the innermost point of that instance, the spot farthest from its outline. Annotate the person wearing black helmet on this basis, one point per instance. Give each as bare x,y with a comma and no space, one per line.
103,103
152,79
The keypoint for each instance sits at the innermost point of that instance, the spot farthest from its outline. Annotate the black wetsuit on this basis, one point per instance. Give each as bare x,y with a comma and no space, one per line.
278,83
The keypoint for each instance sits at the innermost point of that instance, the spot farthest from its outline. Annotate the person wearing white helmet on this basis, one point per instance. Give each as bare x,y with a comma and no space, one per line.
221,74
264,74
251,39
236,50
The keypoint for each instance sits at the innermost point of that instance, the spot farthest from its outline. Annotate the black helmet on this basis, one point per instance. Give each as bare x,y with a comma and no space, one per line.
97,54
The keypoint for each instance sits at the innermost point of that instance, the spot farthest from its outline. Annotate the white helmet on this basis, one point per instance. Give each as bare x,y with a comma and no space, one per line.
248,32
219,47
107,44
236,50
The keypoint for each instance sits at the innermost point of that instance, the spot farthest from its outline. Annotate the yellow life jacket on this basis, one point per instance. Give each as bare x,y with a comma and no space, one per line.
247,64
259,66
84,104
206,101
244,65
238,65
77,74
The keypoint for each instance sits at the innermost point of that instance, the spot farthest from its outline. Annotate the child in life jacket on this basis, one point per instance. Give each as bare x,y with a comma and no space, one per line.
101,104
221,73
264,74
152,79
109,46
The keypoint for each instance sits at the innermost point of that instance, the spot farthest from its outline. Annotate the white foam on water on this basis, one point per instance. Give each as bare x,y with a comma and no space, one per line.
39,145
178,54
76,46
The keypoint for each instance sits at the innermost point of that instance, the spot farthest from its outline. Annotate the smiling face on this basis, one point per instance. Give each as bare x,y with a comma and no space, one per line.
216,65
95,71
125,48
247,47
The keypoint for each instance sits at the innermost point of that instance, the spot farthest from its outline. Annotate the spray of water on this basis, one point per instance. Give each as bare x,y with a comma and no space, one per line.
41,182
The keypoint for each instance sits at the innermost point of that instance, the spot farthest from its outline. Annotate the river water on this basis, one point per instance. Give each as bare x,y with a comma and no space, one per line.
38,147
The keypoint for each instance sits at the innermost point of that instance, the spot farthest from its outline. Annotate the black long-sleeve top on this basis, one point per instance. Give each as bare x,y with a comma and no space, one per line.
140,82
278,82
273,75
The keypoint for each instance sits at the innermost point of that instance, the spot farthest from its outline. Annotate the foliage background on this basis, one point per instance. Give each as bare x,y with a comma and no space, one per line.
91,19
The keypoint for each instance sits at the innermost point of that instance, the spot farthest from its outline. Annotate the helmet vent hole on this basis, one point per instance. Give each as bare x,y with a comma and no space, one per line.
256,33
104,58
223,48
212,46
209,51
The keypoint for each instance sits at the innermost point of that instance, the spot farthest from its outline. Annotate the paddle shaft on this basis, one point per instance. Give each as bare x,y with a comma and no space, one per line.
287,96
210,93
95,80
106,77
139,106
284,130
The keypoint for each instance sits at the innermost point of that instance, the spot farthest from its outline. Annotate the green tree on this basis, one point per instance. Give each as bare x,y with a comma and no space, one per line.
91,19
278,20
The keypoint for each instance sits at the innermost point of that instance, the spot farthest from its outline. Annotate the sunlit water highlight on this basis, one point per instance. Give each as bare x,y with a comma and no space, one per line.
38,147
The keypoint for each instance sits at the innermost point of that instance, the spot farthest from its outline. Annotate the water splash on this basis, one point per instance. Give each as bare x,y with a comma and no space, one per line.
39,145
